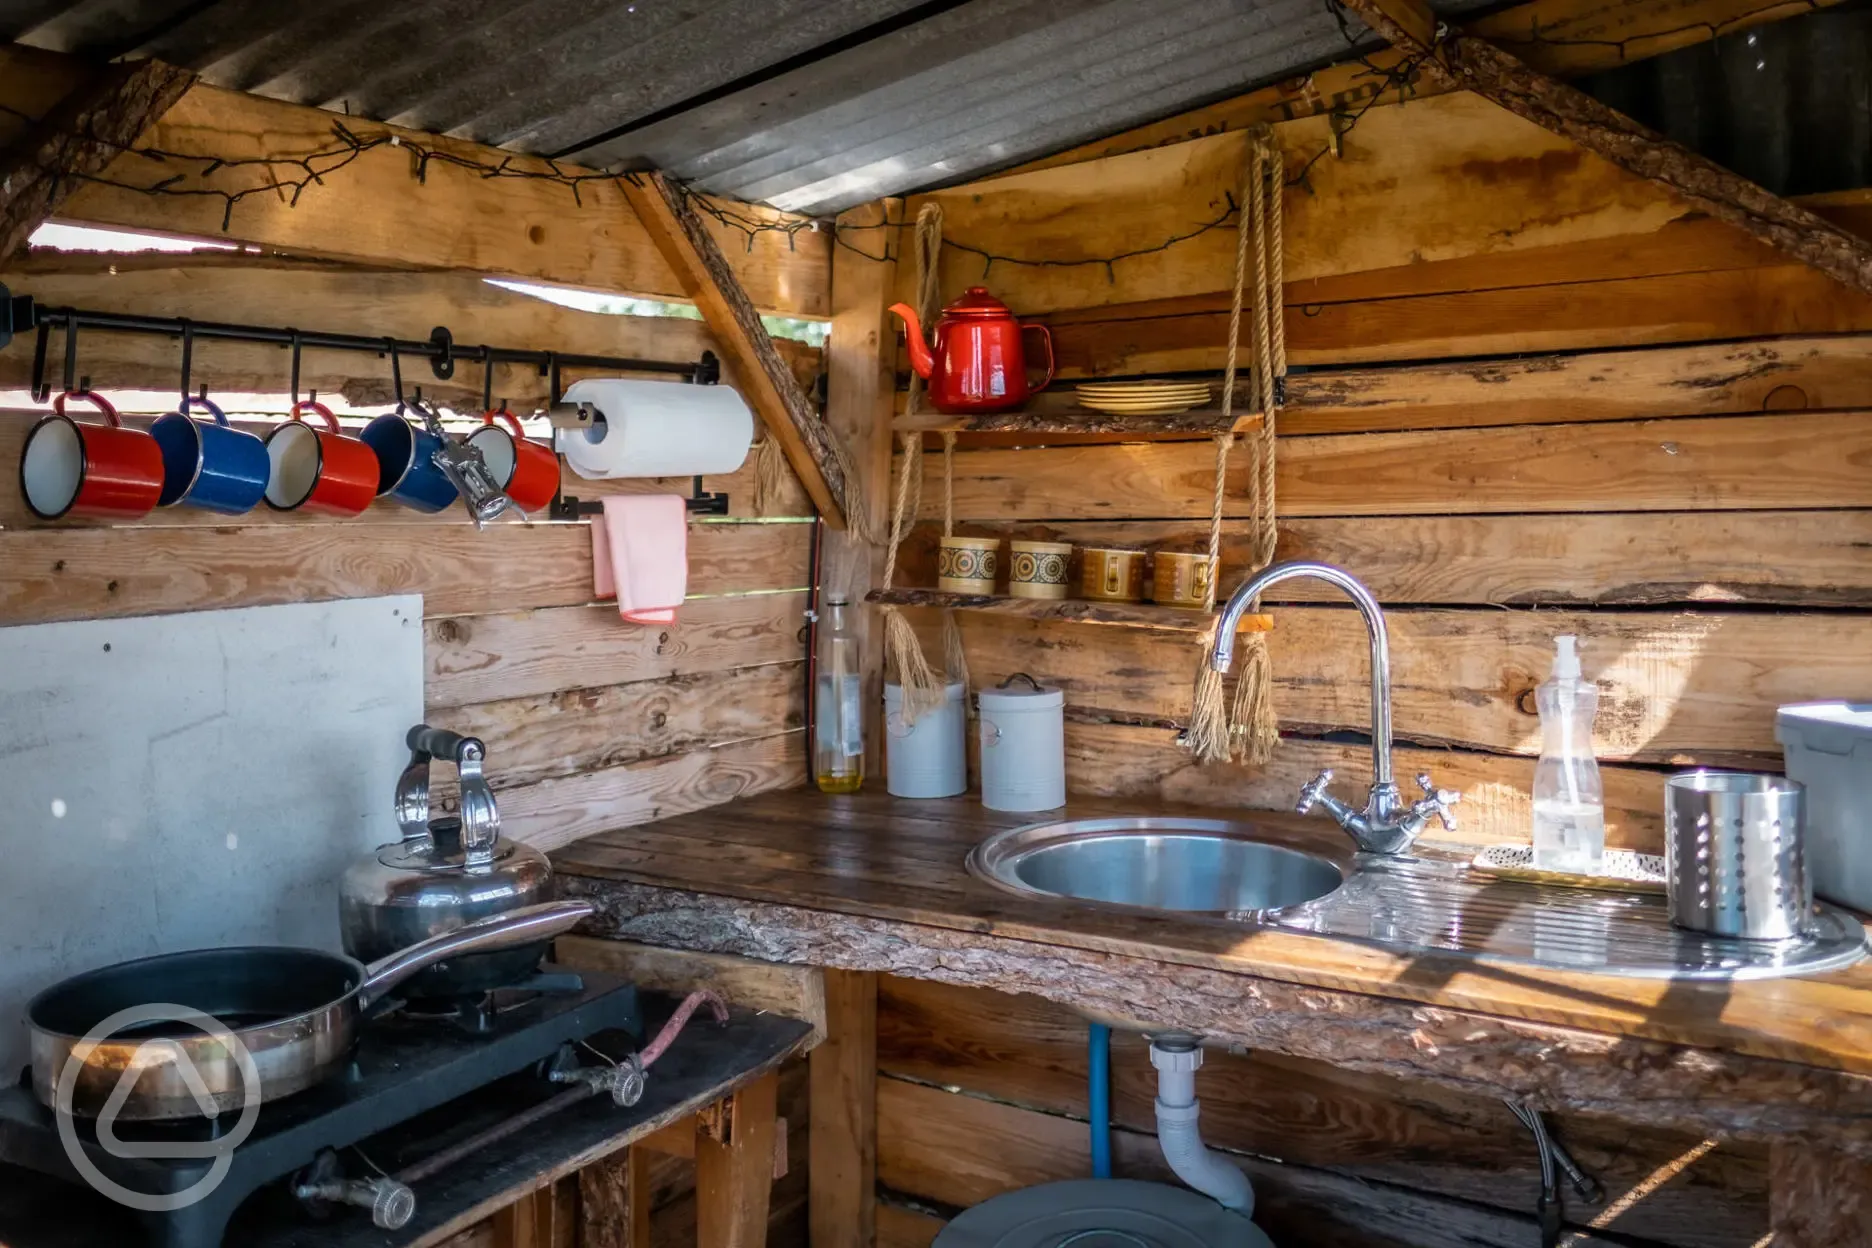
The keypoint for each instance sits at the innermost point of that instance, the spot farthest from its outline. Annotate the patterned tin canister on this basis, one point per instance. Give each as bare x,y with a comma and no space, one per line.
967,565
1038,569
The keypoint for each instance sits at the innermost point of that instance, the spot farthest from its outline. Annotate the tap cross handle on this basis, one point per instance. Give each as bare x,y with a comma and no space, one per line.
1437,801
1314,790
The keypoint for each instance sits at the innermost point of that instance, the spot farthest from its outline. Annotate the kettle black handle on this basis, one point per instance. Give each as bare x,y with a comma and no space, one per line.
443,744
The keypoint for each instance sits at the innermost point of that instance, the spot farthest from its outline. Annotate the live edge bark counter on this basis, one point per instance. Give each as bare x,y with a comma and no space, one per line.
871,883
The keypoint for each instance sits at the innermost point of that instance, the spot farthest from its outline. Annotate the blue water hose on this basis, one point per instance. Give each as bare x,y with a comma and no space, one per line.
1098,1063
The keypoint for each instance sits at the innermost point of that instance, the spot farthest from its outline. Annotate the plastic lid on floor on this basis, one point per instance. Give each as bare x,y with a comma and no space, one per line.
1101,1213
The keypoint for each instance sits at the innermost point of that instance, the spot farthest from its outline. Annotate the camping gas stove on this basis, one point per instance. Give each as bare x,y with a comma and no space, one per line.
430,1085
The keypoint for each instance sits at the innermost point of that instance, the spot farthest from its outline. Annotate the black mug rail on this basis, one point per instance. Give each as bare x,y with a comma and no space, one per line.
19,313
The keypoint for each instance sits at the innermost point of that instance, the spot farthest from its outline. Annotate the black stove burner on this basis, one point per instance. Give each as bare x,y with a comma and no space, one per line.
405,1066
477,1013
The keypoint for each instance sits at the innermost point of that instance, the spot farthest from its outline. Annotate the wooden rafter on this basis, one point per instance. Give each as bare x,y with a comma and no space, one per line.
86,131
757,364
1461,61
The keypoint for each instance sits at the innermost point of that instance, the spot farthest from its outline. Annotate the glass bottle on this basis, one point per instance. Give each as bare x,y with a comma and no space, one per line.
838,707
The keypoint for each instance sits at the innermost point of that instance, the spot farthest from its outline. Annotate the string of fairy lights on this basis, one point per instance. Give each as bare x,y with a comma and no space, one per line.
290,177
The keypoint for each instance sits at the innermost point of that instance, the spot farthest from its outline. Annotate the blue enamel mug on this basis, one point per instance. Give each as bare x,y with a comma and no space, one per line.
211,465
406,467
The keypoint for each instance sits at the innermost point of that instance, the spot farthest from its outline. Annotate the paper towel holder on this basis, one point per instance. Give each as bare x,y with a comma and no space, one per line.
699,502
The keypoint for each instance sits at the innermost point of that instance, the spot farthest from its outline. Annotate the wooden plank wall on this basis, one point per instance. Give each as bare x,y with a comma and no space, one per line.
981,1093
591,723
1539,400
1672,462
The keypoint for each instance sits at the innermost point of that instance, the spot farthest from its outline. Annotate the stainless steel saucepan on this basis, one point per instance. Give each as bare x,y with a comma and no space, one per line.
295,1012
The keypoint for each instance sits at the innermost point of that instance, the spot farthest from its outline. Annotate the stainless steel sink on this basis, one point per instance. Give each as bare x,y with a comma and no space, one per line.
1429,902
1192,866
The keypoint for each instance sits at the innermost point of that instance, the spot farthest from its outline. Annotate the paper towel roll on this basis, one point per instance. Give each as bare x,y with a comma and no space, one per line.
657,429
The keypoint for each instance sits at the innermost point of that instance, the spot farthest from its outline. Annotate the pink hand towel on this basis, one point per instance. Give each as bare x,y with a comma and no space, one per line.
640,553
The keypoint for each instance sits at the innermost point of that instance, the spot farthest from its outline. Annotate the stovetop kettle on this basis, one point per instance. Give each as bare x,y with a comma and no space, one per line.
445,872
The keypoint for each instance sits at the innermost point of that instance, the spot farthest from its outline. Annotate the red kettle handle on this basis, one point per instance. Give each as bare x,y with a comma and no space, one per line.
1046,336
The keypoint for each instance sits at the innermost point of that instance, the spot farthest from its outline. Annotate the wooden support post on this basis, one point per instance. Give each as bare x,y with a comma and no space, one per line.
80,136
756,363
861,389
614,1200
1818,1198
734,1178
1465,62
842,1139
530,1222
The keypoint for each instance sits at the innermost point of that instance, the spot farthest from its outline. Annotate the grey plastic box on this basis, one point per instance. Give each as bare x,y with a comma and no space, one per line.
1828,746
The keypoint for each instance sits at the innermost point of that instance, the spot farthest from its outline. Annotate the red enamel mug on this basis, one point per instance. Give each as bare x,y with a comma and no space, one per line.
105,471
528,471
320,470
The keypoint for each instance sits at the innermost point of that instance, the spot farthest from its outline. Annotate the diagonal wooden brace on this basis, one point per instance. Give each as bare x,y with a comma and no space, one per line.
756,363
1464,62
80,136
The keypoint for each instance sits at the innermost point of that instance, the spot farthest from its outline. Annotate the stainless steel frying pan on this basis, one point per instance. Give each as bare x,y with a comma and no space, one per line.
294,1011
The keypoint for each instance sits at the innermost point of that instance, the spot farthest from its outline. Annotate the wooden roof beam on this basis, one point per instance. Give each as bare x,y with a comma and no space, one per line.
755,361
1463,62
87,130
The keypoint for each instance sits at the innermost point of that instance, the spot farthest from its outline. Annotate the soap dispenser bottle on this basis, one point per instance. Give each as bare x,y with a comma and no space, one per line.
1569,804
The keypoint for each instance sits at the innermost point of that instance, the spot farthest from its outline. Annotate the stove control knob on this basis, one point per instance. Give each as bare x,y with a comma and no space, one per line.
624,1081
393,1204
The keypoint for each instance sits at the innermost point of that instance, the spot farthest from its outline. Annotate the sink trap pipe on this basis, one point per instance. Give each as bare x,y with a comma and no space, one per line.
1177,1059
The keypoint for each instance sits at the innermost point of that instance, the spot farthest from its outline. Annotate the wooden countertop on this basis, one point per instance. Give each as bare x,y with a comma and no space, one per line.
872,882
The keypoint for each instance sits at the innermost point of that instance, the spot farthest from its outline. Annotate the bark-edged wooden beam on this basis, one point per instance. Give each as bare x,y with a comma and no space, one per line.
753,358
80,136
1464,62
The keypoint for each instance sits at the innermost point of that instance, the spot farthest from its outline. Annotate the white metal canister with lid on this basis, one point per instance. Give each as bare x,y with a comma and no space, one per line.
1023,746
926,758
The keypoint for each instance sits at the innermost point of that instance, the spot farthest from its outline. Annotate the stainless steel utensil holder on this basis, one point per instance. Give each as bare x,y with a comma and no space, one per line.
1734,855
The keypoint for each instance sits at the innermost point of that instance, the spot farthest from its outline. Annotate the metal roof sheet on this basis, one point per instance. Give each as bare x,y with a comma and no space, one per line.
810,105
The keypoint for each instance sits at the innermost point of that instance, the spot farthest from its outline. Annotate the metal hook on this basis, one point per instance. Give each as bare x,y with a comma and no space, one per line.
553,393
188,358
71,354
396,371
297,344
487,379
41,388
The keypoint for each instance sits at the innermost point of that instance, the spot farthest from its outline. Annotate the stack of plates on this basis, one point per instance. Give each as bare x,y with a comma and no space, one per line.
1143,398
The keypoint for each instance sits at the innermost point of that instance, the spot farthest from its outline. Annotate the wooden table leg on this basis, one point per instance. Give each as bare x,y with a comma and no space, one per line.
1818,1198
614,1201
734,1179
841,1163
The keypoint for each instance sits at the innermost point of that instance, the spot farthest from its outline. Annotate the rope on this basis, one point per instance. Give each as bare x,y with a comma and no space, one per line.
1254,728
1248,728
903,653
955,656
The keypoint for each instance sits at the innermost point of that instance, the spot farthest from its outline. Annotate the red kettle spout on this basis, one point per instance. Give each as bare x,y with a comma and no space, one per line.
920,357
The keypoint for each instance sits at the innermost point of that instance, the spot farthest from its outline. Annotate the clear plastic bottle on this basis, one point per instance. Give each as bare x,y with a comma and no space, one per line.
1569,804
838,708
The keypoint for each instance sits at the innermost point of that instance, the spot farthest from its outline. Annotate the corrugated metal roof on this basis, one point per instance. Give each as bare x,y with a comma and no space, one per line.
1788,105
808,104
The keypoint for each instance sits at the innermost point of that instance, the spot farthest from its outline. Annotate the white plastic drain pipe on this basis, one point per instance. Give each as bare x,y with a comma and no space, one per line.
1177,1059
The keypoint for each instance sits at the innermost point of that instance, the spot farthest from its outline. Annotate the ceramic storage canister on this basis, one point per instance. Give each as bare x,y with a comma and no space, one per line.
928,758
1023,745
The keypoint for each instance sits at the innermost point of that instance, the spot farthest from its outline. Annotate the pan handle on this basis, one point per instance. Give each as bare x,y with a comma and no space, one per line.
503,931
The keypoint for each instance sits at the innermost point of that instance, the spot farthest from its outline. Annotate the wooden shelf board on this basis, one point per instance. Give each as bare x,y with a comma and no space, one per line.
1070,610
1202,420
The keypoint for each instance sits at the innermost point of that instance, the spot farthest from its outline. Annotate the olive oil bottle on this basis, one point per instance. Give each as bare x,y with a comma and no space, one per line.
838,714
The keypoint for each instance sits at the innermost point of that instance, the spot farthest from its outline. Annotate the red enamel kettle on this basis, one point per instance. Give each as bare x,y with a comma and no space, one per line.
978,363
